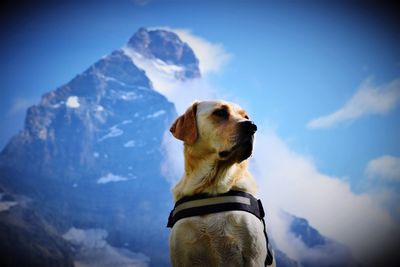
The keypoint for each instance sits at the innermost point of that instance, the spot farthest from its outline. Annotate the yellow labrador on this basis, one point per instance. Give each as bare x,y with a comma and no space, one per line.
218,140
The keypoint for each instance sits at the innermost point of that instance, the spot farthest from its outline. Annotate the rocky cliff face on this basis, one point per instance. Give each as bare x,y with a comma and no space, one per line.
74,127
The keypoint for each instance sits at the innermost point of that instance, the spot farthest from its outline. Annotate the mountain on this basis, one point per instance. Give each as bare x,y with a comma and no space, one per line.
318,250
89,154
307,234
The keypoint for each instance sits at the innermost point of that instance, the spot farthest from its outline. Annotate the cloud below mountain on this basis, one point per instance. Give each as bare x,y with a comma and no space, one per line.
369,99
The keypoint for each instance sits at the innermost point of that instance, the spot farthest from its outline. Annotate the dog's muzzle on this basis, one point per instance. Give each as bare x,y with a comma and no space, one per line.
244,142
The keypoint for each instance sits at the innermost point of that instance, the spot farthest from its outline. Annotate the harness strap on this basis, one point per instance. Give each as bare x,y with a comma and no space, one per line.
202,204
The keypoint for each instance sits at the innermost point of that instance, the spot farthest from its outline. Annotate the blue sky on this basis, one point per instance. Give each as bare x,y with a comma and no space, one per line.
288,65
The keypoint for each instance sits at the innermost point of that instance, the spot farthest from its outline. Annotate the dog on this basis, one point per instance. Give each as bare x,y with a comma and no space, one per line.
218,140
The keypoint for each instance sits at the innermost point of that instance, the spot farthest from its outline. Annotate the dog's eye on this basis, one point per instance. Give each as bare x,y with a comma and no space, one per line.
246,117
221,113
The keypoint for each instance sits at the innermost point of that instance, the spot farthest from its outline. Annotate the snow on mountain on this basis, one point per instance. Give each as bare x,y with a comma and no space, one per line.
6,204
156,114
167,50
113,132
130,143
73,102
94,250
109,177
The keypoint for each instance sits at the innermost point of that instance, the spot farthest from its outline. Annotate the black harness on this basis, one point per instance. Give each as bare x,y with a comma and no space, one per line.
202,204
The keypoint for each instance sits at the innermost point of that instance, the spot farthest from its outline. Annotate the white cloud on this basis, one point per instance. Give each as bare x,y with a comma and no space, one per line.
94,251
369,99
72,102
386,166
172,165
290,181
212,56
111,178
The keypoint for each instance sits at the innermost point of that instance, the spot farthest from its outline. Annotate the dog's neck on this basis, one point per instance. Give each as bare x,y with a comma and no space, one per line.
207,174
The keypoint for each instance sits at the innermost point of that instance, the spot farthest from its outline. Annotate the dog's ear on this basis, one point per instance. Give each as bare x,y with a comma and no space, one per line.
185,127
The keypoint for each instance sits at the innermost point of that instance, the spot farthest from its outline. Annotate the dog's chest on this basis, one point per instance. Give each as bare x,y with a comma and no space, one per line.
219,238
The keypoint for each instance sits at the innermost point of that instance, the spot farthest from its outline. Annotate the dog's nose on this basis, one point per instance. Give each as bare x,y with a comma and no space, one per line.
248,127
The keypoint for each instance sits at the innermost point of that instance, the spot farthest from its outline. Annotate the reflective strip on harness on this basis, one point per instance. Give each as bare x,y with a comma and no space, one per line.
211,201
203,204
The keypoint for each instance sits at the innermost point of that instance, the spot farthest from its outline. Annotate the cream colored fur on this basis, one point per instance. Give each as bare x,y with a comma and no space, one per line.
233,238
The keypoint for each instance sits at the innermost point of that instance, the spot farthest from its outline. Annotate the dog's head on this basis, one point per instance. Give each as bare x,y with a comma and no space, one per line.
216,128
